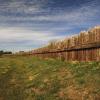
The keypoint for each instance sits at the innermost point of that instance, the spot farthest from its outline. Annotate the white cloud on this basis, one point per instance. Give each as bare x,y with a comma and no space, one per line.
20,38
76,17
17,33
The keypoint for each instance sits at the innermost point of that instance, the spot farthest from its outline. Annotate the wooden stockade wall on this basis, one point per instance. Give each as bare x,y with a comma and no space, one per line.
82,47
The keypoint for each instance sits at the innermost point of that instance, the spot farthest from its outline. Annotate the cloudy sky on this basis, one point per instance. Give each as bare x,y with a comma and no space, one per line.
29,24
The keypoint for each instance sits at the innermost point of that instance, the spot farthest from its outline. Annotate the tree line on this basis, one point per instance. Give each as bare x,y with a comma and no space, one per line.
5,52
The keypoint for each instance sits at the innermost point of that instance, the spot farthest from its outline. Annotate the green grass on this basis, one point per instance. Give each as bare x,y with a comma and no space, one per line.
31,78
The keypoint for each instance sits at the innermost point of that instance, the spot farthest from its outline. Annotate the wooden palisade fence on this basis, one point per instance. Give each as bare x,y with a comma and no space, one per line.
82,47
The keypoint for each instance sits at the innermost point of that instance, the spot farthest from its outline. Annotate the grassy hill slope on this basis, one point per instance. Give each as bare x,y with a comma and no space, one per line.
30,78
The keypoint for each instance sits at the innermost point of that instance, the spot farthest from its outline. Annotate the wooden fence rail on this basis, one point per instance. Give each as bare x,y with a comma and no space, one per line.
82,47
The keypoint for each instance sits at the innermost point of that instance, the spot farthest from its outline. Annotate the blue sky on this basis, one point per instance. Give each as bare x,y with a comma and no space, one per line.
29,24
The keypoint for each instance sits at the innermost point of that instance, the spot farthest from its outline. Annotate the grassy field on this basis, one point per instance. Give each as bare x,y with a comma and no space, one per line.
30,78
